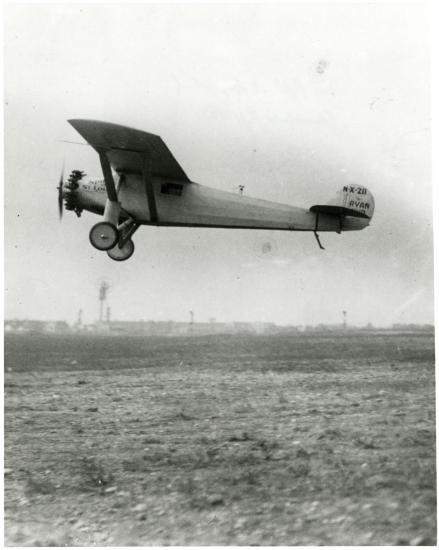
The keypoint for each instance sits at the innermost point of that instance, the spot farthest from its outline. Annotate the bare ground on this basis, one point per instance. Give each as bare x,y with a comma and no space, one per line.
298,440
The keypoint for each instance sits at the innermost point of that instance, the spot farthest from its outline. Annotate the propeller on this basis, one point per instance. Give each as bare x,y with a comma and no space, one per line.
60,193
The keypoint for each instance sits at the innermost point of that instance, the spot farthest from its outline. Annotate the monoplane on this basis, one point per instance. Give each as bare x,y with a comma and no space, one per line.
143,184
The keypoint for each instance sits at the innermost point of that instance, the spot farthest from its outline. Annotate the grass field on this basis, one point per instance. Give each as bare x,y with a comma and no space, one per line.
299,440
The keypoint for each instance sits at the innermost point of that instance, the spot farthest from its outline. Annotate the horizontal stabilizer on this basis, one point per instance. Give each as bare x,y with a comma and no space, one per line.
337,211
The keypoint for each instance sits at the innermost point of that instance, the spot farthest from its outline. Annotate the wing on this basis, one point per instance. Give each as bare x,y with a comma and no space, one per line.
125,148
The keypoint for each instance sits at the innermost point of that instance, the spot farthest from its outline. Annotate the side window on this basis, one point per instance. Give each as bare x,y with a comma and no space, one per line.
169,188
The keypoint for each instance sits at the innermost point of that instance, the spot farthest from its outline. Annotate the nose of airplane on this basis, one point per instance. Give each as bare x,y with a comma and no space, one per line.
68,192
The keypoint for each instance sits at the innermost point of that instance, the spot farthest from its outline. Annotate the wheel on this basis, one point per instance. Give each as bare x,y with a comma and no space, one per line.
103,235
121,254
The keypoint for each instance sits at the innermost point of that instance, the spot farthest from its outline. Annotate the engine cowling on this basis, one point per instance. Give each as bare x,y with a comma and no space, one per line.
70,191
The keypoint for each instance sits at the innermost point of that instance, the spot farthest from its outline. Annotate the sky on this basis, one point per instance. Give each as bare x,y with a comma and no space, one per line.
290,100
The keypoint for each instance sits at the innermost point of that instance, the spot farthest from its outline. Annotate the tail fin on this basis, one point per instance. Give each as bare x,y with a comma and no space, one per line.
350,200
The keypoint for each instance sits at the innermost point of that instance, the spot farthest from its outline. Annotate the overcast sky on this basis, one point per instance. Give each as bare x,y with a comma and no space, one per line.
292,101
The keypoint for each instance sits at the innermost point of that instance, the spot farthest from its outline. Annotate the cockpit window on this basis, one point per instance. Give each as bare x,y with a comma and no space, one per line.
169,188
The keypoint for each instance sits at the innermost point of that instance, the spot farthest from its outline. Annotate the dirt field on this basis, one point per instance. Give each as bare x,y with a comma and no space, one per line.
298,440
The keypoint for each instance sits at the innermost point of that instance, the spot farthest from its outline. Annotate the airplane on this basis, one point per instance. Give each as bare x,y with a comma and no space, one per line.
143,184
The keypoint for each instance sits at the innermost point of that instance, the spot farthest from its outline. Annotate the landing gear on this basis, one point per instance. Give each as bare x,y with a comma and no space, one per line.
104,235
124,248
120,253
110,235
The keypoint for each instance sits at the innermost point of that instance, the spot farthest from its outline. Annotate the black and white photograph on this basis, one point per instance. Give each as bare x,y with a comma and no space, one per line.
219,274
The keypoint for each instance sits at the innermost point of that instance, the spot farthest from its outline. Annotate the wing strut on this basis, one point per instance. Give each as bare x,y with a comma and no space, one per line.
112,191
108,177
112,205
147,179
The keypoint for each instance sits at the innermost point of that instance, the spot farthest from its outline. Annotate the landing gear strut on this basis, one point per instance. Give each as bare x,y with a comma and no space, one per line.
104,235
109,235
124,248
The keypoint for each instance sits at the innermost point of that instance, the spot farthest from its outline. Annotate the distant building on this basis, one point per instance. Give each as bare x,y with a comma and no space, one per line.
412,327
16,326
174,328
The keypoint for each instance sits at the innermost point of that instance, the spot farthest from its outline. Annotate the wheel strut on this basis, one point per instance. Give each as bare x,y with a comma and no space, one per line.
126,231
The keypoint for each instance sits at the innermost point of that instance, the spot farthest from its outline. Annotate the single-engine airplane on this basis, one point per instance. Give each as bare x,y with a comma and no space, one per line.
143,184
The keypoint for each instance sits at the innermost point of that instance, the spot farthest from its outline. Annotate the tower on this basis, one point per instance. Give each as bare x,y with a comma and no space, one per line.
344,319
103,289
191,324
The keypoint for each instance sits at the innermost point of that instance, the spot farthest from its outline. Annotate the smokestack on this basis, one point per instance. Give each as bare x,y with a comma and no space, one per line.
102,297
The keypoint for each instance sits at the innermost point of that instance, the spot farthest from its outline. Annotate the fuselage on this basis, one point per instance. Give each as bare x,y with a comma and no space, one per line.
195,205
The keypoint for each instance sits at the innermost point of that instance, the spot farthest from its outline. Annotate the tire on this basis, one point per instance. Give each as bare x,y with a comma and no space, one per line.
121,254
104,235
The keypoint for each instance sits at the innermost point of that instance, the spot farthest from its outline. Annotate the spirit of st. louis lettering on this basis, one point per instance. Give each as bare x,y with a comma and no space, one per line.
97,185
